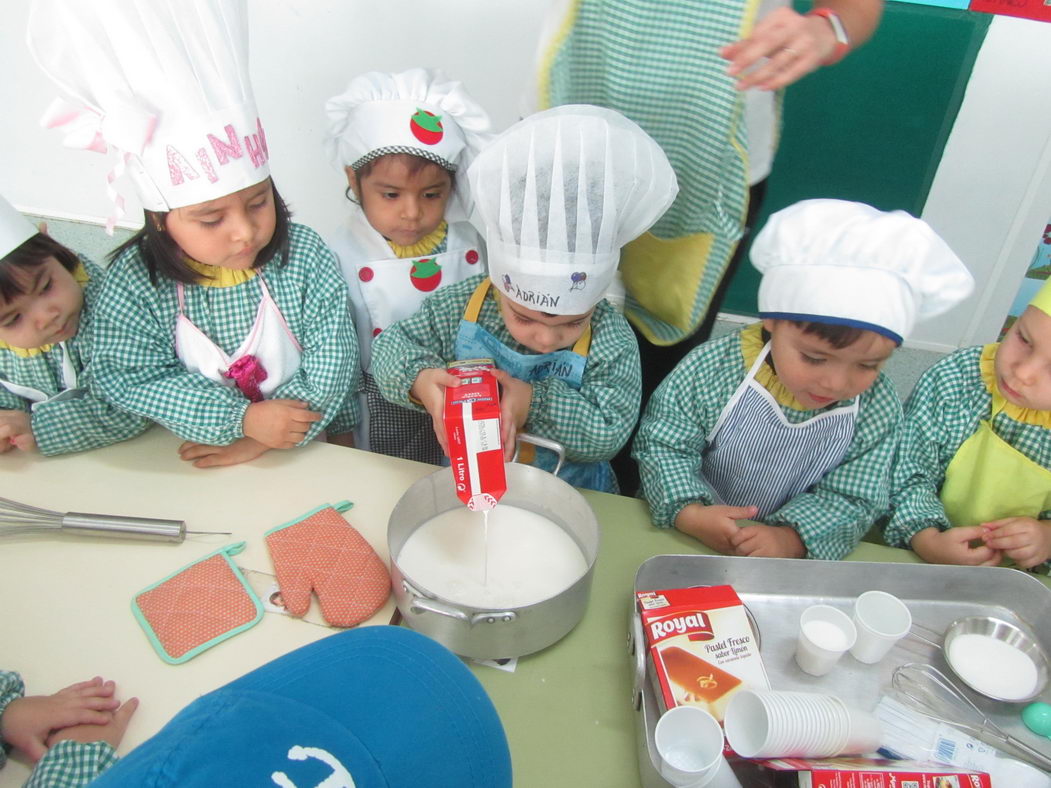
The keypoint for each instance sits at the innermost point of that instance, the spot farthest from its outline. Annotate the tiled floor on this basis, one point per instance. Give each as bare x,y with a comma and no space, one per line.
904,367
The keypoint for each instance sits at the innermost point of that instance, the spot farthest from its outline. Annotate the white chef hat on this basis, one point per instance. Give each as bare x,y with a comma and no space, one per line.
418,111
560,193
164,84
15,229
846,263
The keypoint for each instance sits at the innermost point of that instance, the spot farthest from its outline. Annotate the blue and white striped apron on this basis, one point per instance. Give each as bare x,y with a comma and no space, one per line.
756,457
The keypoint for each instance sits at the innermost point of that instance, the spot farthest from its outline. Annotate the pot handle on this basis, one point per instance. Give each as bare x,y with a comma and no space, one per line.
543,443
425,605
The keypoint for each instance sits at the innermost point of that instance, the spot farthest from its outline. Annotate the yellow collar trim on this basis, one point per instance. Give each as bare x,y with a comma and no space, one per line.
987,368
217,276
751,346
425,245
81,277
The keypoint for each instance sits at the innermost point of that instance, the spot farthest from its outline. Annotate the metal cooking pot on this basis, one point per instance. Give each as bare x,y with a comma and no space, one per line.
485,633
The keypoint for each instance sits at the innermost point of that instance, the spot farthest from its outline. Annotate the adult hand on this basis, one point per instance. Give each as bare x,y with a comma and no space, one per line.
278,423
783,47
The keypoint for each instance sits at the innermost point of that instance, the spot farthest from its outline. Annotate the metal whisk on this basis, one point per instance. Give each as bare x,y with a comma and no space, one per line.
934,695
19,518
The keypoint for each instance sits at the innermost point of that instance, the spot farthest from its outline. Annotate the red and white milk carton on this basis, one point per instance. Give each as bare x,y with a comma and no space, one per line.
472,426
701,646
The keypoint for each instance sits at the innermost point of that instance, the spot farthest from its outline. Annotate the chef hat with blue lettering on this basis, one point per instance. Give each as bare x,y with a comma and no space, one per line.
846,263
161,85
559,194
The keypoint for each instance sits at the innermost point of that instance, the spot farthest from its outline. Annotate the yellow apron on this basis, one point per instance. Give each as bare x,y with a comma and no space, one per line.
988,479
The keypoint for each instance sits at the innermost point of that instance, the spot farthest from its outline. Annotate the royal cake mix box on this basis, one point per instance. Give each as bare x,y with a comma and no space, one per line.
701,646
872,773
472,426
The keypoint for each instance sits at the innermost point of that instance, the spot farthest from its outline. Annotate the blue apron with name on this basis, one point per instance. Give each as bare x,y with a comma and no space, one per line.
756,457
473,341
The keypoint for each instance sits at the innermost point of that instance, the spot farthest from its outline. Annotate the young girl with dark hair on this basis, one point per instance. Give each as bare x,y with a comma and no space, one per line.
47,299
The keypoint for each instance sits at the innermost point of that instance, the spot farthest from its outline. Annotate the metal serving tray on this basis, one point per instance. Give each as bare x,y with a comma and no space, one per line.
777,590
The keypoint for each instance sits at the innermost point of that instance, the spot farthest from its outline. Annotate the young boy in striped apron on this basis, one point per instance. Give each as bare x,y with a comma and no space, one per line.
559,194
971,481
789,422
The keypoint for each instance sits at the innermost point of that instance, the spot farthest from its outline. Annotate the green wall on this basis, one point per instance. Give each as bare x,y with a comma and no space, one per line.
873,127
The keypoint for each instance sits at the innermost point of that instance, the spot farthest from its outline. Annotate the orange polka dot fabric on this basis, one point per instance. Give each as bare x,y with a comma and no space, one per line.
202,603
323,553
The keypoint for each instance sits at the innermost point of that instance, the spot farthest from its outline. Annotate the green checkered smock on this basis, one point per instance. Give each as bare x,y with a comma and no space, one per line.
592,422
68,425
943,411
69,764
830,517
136,366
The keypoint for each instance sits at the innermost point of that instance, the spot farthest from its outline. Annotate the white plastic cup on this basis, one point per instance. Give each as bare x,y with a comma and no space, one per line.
689,742
825,634
864,733
881,620
772,724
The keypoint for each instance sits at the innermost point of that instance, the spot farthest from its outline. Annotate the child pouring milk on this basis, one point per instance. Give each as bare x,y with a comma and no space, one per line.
972,483
559,193
220,319
789,422
404,141
47,304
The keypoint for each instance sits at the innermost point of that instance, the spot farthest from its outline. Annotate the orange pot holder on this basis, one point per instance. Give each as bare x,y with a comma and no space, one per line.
198,606
323,553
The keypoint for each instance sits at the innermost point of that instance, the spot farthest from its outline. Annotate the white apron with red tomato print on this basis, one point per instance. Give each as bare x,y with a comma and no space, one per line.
384,288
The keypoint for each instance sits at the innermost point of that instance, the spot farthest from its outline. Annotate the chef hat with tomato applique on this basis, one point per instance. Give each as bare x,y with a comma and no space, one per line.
163,86
847,263
419,112
559,194
15,229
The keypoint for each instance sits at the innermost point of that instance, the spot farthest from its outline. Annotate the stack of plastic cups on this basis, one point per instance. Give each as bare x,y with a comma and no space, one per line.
689,742
771,724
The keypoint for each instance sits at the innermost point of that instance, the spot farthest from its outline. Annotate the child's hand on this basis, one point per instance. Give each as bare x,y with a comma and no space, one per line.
429,389
110,732
278,423
515,398
16,431
1024,540
954,546
28,722
770,541
713,525
204,456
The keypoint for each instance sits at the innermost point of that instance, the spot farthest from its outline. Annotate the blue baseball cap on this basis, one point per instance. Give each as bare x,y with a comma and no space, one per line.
377,706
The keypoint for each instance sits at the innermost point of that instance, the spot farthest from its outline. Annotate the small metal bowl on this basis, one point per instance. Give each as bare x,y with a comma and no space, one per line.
1007,633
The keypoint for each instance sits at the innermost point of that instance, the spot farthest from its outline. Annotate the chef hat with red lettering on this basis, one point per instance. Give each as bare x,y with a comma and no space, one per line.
419,111
847,263
161,85
560,193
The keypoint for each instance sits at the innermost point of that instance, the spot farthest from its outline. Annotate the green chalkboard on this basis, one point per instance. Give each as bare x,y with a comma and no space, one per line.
873,127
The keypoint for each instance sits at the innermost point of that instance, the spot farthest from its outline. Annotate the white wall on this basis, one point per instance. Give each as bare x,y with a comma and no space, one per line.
303,51
991,196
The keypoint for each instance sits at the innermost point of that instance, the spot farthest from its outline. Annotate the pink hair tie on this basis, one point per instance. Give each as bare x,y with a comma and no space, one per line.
247,373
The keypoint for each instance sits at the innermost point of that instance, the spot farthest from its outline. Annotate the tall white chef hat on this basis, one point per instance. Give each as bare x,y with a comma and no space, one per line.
419,111
164,84
846,263
560,193
15,229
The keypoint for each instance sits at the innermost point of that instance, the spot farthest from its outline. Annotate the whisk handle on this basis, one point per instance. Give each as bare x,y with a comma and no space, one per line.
146,528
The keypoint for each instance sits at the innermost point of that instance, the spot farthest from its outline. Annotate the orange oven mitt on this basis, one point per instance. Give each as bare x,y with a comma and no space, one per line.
198,606
321,551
